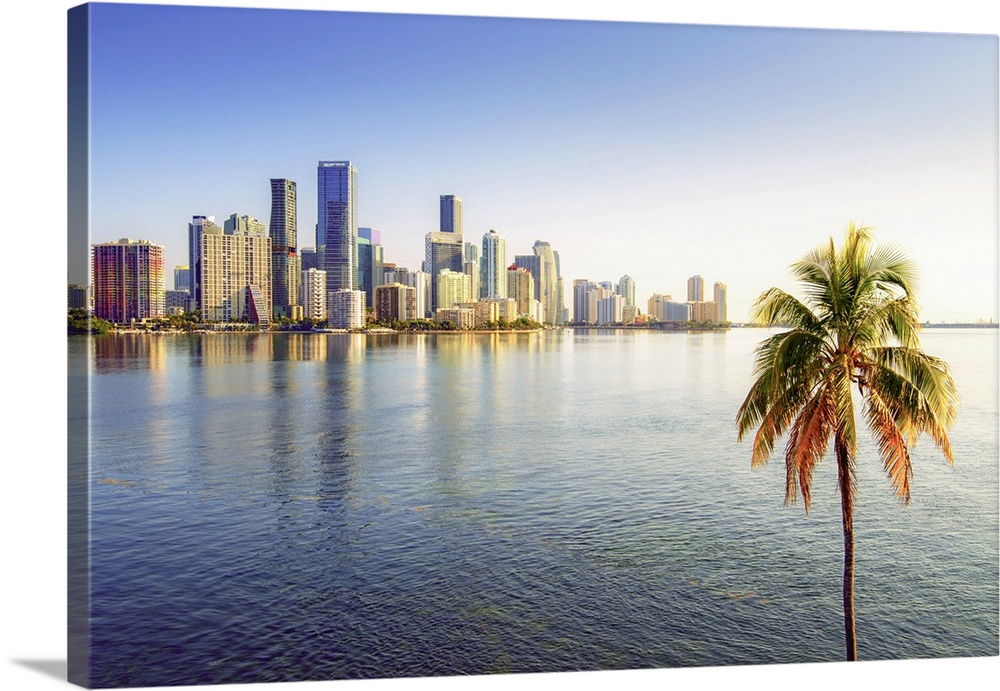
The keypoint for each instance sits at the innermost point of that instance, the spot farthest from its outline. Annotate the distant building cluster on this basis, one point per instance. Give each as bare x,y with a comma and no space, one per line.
241,271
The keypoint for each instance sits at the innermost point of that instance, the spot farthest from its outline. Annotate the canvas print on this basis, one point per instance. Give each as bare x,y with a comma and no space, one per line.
417,346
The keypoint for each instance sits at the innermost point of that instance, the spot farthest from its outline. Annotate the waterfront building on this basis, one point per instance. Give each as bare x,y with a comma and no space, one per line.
506,308
419,281
630,314
337,226
663,308
719,292
285,268
609,309
198,226
549,280
626,288
451,214
453,287
182,278
521,287
128,280
696,289
78,297
581,288
493,272
370,260
532,263
345,308
234,271
483,311
704,312
462,317
395,301
442,251
312,294
177,301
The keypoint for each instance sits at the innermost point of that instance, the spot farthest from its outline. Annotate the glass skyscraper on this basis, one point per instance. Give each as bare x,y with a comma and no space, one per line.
451,214
284,262
337,226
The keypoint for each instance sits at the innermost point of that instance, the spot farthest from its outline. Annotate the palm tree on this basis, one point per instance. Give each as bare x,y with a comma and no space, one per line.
857,326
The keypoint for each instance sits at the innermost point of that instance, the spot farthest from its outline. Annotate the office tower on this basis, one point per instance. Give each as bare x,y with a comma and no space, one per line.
312,294
453,287
451,214
547,291
719,291
370,260
562,313
78,297
493,266
441,251
471,252
346,308
337,227
696,289
196,229
308,259
395,301
285,274
580,288
182,278
521,287
626,288
128,280
234,271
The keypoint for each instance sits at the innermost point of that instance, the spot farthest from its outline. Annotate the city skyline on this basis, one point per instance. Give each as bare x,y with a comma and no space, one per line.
699,146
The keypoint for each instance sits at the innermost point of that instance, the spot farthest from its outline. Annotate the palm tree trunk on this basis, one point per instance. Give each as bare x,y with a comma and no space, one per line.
847,513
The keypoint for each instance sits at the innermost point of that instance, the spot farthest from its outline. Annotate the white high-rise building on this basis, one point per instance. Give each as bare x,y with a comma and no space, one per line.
454,287
313,294
493,271
346,308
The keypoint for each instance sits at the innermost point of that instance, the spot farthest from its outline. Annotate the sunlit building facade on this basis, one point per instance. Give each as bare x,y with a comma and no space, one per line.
128,280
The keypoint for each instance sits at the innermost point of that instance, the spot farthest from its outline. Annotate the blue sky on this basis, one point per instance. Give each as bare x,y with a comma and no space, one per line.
658,151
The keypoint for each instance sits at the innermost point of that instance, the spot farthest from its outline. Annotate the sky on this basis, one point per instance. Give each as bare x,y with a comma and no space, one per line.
805,200
653,150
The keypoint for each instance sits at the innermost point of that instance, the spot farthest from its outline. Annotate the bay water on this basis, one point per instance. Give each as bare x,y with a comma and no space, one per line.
282,507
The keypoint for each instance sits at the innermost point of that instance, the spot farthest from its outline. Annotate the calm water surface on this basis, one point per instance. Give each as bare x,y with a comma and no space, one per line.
277,507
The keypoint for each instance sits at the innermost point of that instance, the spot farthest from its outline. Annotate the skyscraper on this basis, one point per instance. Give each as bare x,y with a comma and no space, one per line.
696,289
550,301
451,214
182,278
720,290
442,251
493,267
626,288
196,229
285,274
235,271
337,226
128,280
370,260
